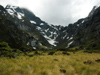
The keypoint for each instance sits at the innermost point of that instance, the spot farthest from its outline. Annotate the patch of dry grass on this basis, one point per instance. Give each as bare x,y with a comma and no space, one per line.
57,64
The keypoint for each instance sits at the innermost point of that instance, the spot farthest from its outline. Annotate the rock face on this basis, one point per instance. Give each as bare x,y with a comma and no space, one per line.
19,26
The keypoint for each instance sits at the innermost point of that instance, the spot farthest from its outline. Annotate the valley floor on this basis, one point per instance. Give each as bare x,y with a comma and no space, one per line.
78,63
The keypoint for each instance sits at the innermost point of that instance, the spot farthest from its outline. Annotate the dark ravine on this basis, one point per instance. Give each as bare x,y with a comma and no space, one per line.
20,27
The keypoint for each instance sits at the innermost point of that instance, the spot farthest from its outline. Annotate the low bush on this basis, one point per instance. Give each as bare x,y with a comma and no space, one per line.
5,50
98,60
26,49
51,52
65,53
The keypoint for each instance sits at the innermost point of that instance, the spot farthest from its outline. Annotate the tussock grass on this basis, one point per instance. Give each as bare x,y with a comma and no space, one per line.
56,64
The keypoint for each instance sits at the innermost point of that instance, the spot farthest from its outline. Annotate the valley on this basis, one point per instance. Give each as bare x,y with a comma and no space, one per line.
31,46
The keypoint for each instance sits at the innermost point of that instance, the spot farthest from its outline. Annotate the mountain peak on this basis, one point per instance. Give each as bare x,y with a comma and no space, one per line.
15,11
10,6
92,11
2,8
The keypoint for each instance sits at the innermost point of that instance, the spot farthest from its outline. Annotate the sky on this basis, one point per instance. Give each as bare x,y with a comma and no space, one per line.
57,12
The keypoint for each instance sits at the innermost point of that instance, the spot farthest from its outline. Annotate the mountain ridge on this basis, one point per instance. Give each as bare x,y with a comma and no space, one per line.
73,35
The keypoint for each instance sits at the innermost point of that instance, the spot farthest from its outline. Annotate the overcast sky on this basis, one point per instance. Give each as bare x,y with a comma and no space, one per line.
60,12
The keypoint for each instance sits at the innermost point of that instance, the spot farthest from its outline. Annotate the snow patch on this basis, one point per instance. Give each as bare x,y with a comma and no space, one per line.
10,6
59,28
11,12
42,24
46,37
55,28
51,34
40,44
19,16
32,21
67,37
83,21
71,38
54,33
64,36
27,43
34,47
51,41
47,30
69,44
22,20
78,25
64,31
38,28
42,33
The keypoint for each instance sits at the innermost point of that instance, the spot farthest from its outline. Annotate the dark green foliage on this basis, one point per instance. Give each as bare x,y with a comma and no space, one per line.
65,53
91,51
26,49
5,50
61,49
44,73
51,52
98,60
87,51
36,53
55,59
30,55
62,70
89,62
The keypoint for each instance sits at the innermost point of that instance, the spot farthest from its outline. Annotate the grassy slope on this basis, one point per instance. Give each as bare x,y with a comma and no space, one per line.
51,64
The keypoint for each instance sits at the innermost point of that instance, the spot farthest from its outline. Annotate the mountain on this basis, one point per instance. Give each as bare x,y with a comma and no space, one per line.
24,28
84,33
17,30
56,35
48,31
88,34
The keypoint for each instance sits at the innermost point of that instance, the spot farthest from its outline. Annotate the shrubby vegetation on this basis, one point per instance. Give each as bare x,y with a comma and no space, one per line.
5,50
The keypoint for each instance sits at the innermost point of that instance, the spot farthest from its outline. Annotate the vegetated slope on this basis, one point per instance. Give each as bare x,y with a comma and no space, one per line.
17,30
